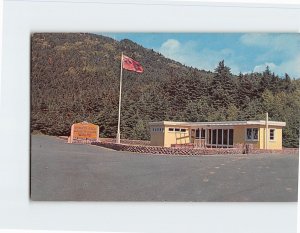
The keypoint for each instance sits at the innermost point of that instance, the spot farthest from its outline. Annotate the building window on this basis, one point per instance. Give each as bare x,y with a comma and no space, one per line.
203,134
197,133
272,134
220,137
214,136
177,130
200,133
249,134
225,133
230,137
252,134
157,129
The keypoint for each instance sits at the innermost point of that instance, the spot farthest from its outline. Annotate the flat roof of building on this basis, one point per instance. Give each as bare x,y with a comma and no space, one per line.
217,123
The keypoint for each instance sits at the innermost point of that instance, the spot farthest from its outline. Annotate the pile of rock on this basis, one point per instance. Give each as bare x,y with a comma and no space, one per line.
285,151
126,141
169,150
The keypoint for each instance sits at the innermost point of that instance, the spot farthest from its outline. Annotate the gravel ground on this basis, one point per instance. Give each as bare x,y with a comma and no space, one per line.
72,172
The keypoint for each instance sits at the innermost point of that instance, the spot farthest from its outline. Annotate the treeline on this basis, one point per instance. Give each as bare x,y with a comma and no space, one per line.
75,77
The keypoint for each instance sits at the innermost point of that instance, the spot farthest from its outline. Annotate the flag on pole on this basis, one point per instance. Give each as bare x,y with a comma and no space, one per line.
132,65
127,63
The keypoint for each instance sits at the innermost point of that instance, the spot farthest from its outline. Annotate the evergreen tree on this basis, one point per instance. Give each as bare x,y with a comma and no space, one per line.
222,89
266,80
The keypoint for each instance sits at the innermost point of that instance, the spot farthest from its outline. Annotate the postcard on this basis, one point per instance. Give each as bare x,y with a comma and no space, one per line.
184,117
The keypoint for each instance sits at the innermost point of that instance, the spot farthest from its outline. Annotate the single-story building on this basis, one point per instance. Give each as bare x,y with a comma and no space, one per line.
261,134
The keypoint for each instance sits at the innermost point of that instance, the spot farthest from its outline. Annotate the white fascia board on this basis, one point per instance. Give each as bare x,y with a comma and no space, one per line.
216,123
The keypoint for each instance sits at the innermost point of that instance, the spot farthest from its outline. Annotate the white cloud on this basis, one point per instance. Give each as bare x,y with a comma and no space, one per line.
254,39
171,44
188,54
291,67
278,51
286,43
284,46
262,67
170,47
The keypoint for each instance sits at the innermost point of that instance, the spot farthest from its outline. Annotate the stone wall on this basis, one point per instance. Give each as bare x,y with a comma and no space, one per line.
107,140
126,141
188,151
283,151
168,150
140,146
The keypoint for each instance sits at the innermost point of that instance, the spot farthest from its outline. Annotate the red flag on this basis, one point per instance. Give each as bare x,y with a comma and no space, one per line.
132,65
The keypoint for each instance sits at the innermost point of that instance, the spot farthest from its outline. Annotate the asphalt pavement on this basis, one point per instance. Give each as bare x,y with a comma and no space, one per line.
73,172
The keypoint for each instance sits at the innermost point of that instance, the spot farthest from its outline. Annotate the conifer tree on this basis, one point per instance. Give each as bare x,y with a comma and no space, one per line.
222,88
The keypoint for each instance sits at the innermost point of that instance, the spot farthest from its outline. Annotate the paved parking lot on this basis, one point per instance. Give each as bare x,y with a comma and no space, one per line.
70,172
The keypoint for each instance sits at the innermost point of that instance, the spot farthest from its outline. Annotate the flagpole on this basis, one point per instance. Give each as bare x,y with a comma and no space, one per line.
118,139
267,130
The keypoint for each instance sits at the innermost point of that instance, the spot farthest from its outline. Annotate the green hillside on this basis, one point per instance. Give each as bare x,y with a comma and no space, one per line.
75,77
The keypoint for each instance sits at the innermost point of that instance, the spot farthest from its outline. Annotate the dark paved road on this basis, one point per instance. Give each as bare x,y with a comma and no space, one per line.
70,172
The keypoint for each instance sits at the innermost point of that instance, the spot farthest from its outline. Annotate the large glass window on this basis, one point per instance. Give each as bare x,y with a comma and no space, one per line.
231,137
252,134
225,135
220,136
208,136
249,134
214,136
255,134
203,134
197,133
200,133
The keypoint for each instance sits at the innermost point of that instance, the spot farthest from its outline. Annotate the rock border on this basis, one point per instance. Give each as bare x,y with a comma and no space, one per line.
168,150
189,151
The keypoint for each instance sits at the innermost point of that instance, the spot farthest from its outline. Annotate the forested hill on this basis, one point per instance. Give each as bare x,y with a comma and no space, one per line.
75,77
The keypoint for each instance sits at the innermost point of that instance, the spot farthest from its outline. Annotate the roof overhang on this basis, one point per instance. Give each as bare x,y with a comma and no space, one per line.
216,123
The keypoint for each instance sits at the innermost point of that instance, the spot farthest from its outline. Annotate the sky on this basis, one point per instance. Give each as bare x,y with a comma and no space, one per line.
245,53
